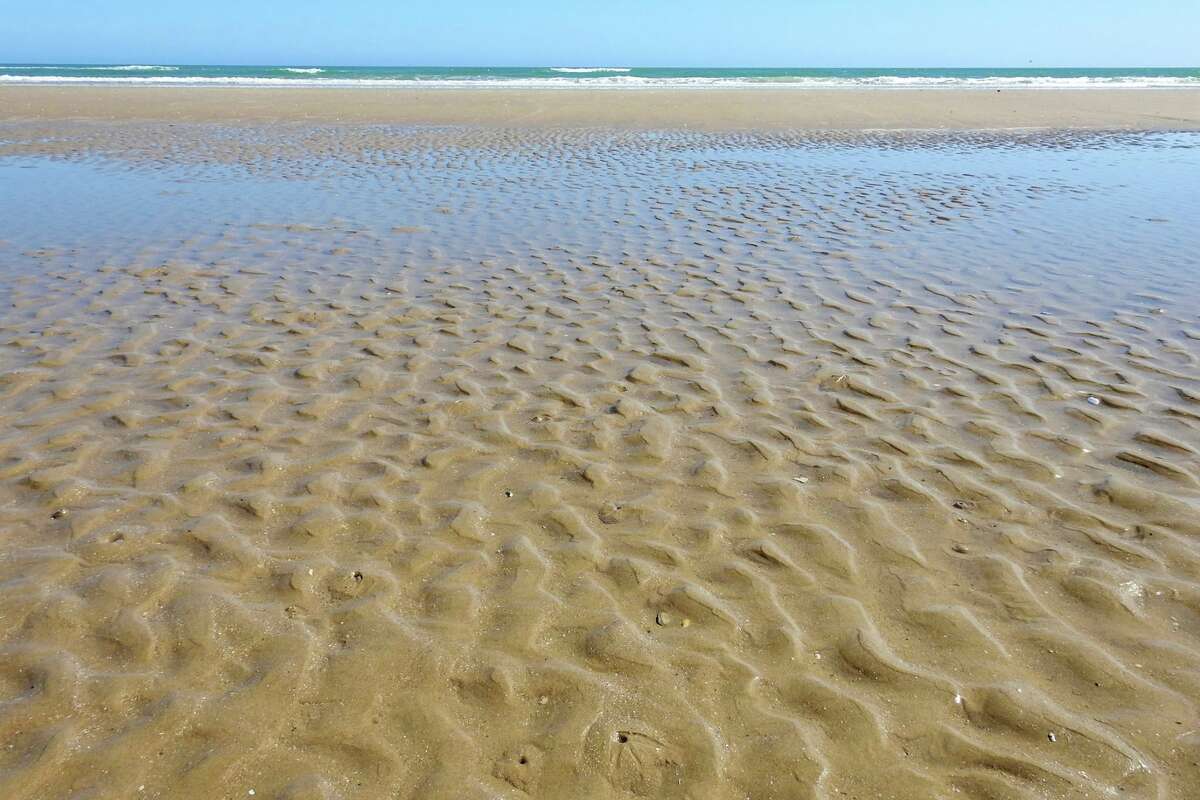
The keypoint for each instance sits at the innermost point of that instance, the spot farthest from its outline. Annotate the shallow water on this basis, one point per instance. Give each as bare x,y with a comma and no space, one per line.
380,462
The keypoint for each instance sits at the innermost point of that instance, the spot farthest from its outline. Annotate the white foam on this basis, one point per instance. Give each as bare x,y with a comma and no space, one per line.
590,69
304,70
636,82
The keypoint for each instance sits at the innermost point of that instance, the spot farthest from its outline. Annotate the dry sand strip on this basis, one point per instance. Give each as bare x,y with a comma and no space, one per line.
704,109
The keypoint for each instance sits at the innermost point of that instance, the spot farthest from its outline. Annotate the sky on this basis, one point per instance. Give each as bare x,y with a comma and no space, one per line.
748,33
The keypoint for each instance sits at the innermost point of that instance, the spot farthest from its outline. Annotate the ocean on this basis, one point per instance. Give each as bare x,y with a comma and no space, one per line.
306,75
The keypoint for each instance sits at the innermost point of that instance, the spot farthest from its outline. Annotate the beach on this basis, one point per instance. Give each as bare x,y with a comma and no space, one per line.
701,108
699,444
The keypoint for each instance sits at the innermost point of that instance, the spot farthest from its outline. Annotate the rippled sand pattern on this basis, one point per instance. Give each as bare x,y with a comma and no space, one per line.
374,463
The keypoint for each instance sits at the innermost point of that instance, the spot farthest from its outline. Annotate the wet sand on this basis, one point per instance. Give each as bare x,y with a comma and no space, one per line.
702,109
362,461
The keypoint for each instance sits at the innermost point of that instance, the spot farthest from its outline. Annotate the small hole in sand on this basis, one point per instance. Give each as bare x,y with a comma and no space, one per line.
522,760
622,738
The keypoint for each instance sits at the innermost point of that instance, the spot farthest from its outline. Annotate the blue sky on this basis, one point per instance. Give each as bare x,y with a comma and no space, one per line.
607,32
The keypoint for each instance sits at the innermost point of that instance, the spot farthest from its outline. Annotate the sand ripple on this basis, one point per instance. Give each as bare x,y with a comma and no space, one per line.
770,490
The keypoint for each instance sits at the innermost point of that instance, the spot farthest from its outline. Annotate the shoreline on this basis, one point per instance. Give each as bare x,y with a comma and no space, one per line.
692,108
389,460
